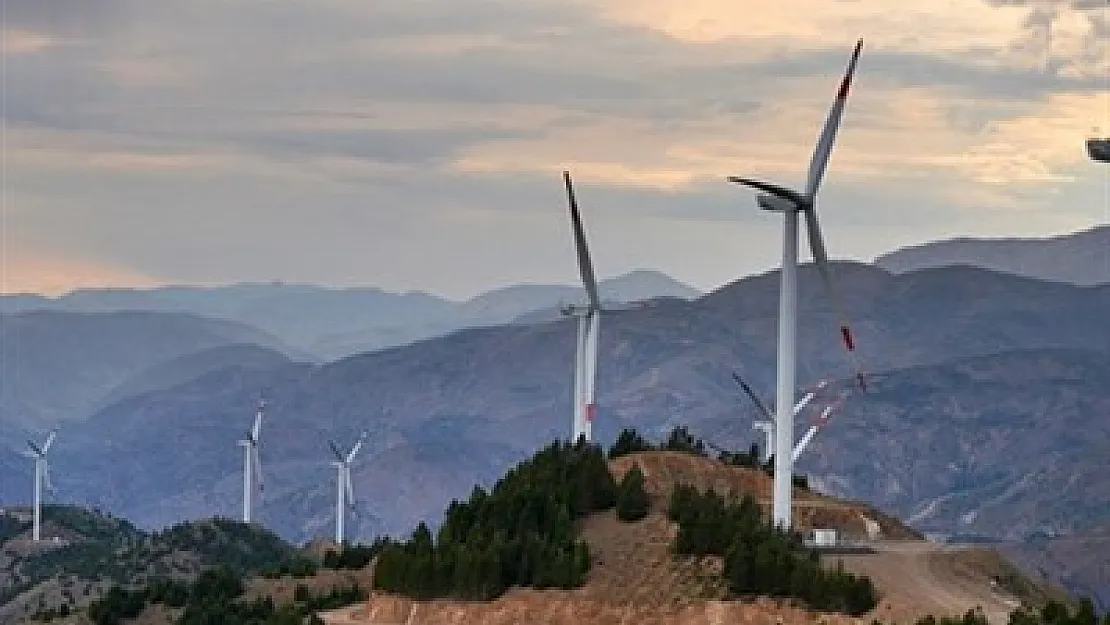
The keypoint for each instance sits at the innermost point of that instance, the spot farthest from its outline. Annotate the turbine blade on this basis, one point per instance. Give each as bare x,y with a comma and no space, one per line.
335,450
49,441
821,261
257,462
354,450
755,398
585,267
256,429
773,189
824,147
46,475
347,485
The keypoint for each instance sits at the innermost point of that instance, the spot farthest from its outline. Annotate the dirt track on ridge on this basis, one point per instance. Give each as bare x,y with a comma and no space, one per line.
917,577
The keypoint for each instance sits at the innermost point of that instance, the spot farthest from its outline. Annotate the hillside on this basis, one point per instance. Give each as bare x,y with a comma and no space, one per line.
59,366
1079,258
84,553
1075,561
446,413
636,577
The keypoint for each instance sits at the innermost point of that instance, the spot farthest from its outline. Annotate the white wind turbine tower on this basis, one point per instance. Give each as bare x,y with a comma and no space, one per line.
251,463
344,492
790,202
42,475
589,319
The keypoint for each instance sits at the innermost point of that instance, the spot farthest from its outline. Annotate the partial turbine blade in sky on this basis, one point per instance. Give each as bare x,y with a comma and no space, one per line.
821,154
257,468
354,450
821,261
755,398
335,450
585,267
49,441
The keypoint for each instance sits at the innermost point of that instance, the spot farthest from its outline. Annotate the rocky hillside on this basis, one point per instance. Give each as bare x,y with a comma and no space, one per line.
1081,258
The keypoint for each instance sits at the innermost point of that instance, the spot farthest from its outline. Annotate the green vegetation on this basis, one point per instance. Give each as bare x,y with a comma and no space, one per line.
632,499
216,597
354,557
760,559
520,533
240,547
629,442
1052,613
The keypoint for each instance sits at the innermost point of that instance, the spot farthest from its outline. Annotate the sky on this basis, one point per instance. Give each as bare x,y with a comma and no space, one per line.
418,145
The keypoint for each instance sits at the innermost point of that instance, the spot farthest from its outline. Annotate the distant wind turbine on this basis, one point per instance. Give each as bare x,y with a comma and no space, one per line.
789,202
589,320
251,463
344,492
768,426
42,475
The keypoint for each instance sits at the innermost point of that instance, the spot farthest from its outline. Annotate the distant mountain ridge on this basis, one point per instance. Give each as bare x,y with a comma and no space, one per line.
335,322
1081,258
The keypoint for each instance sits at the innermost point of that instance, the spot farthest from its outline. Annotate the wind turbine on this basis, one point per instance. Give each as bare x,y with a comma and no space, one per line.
251,464
589,318
768,426
790,202
344,493
42,474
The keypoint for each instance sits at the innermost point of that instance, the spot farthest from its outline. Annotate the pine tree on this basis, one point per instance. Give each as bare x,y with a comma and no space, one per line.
632,499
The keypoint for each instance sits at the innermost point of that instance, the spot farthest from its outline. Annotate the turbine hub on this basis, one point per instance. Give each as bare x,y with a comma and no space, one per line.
776,203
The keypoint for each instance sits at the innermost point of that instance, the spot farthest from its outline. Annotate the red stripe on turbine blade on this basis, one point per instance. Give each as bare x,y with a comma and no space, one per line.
591,409
843,93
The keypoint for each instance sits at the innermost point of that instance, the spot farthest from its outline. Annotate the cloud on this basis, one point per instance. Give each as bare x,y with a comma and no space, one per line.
320,140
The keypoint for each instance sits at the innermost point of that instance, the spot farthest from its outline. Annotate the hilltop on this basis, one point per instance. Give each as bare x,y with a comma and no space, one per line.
635,575
84,553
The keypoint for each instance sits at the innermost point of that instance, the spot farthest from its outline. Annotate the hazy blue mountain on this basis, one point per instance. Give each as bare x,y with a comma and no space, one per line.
1080,258
982,398
59,366
175,371
336,322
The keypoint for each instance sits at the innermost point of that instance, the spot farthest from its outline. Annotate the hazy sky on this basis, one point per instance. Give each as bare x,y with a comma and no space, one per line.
418,144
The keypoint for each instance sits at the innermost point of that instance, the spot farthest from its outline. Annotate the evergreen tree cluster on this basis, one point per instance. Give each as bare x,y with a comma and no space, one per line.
521,533
760,559
216,597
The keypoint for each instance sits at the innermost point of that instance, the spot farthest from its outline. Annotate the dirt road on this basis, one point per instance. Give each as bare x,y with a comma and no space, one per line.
917,577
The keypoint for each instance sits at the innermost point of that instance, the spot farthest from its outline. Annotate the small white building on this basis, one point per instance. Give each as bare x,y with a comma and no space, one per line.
824,538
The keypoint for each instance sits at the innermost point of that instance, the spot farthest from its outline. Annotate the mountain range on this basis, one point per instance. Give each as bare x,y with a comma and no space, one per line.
1081,258
329,323
986,414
